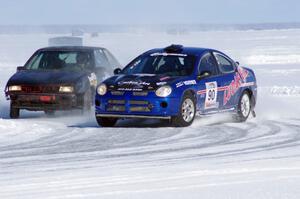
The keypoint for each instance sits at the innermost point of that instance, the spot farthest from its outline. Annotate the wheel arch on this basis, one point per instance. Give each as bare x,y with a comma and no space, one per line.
177,120
190,91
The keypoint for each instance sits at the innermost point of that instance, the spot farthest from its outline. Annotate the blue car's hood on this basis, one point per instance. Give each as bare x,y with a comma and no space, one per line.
139,81
35,77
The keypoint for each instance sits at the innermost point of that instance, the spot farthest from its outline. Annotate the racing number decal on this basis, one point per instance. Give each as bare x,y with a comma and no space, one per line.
211,95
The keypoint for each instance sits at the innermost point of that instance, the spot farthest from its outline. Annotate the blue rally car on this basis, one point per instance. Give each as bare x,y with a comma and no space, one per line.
177,83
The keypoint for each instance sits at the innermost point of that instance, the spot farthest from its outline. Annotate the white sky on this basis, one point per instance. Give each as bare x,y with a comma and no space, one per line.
40,12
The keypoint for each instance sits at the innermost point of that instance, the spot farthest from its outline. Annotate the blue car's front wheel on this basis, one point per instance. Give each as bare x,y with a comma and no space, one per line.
187,112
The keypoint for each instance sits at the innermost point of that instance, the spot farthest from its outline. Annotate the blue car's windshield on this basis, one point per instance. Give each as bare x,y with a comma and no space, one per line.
60,60
164,64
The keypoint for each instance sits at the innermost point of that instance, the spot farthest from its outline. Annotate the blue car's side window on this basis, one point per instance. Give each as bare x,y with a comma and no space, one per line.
208,64
225,64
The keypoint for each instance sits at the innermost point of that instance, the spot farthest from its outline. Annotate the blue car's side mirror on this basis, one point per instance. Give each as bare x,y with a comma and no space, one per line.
117,71
203,75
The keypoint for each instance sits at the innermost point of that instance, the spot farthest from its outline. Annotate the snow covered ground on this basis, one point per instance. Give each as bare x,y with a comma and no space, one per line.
70,157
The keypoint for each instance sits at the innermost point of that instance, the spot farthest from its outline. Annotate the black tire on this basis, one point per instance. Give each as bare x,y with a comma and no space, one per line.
49,113
244,107
185,116
14,112
106,122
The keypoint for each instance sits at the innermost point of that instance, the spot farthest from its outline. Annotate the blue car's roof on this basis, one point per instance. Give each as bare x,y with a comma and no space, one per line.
183,50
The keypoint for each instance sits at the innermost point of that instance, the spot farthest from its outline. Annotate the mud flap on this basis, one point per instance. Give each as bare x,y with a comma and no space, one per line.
253,113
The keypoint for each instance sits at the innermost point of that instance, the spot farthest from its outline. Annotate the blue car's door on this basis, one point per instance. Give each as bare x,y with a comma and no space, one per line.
208,98
228,83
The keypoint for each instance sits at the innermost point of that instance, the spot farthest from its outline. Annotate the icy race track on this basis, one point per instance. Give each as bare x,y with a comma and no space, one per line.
71,157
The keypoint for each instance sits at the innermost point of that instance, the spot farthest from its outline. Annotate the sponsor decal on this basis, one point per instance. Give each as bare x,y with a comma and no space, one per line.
93,79
231,89
235,84
130,89
135,64
134,83
186,83
161,83
211,95
179,84
189,82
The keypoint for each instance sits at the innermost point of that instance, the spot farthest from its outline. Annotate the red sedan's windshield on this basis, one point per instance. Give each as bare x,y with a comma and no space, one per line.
60,60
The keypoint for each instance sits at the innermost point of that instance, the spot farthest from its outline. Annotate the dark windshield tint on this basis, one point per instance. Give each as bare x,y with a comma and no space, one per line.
60,60
171,65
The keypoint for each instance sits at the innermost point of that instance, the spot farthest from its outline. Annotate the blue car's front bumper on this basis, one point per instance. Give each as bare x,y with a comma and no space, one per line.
130,104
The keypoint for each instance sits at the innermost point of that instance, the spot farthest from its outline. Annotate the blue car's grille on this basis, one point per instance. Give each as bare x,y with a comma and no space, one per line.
116,101
117,93
143,93
132,106
139,109
138,102
116,108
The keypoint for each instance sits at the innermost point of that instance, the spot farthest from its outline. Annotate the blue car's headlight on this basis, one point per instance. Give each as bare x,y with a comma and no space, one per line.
102,89
163,91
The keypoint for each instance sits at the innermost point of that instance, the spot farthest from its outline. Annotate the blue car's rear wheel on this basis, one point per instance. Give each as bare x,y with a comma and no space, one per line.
186,113
244,107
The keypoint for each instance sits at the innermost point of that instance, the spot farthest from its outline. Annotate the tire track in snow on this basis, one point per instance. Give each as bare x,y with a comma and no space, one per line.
163,144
